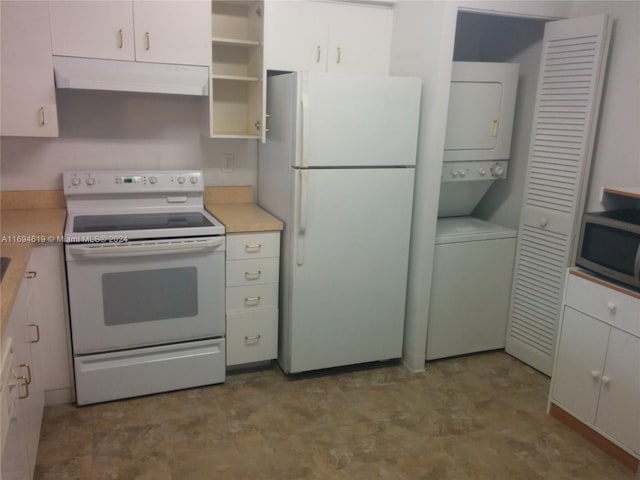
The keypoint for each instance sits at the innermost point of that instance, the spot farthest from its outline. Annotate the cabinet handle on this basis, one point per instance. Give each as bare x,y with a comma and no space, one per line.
147,41
42,119
318,54
37,332
253,247
251,301
339,56
257,125
252,275
31,274
612,307
595,374
252,340
606,380
543,222
120,38
494,128
267,123
28,377
26,387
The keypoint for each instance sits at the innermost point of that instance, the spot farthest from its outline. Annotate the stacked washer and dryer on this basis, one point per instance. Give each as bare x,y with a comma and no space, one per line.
473,264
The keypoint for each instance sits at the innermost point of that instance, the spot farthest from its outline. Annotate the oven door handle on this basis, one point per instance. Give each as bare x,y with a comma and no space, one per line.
123,250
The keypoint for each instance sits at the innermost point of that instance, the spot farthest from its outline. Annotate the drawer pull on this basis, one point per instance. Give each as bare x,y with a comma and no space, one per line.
31,274
251,301
252,340
252,275
28,377
37,332
25,385
253,247
612,307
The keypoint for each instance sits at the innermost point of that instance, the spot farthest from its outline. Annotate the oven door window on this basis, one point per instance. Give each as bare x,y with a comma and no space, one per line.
148,295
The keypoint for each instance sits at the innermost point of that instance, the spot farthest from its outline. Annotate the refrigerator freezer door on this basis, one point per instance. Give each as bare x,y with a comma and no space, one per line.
346,279
358,120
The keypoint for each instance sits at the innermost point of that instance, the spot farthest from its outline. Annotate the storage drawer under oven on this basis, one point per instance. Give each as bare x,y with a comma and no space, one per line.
111,376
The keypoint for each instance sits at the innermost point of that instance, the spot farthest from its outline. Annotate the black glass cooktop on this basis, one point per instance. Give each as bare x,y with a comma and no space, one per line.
139,221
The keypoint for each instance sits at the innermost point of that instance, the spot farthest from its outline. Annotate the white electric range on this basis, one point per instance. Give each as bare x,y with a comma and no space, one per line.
146,277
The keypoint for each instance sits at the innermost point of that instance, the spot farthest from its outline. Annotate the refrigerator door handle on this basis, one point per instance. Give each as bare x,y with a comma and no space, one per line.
302,215
305,130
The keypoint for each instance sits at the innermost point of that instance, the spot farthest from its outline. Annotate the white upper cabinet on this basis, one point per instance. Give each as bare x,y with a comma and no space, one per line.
101,29
359,39
28,95
147,31
172,32
318,36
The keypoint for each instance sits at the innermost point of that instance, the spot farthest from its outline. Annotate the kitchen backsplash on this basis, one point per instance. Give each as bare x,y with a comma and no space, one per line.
122,130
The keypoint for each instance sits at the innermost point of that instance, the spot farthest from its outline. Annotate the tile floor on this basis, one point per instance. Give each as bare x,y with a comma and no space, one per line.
474,417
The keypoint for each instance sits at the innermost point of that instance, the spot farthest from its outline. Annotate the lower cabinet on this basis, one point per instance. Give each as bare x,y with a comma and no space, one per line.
597,371
252,297
26,385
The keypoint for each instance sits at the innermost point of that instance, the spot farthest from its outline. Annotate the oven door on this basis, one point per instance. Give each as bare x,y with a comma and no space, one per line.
145,292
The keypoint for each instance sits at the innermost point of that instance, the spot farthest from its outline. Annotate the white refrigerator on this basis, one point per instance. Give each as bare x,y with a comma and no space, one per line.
338,169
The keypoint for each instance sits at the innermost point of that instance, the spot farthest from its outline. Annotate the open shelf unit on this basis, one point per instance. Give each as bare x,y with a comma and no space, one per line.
237,83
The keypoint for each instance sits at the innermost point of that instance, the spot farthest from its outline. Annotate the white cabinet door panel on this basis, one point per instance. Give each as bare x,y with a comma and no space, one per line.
295,36
96,29
28,98
581,354
359,39
173,32
619,405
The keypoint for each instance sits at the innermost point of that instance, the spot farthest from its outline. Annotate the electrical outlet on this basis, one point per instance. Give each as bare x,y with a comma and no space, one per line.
229,160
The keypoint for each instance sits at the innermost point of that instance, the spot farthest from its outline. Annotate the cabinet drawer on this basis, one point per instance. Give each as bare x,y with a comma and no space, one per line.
252,336
252,297
252,272
253,245
604,303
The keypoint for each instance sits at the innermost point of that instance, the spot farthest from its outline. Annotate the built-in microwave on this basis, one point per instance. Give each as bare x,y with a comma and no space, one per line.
610,245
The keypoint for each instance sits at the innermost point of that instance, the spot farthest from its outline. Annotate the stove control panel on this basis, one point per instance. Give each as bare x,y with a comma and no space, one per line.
474,170
118,182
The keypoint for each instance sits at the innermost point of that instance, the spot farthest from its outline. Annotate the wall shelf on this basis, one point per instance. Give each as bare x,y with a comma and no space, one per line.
235,42
235,78
631,192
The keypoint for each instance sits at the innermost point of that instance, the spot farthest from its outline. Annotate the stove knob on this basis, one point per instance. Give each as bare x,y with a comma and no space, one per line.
482,172
462,173
153,180
497,170
193,180
180,180
75,181
91,181
454,173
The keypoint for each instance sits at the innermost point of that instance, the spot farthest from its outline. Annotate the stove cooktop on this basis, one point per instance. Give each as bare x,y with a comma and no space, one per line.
139,221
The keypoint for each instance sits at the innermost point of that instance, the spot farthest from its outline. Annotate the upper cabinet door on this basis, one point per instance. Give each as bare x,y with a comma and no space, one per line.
96,29
28,97
359,39
318,37
295,36
173,31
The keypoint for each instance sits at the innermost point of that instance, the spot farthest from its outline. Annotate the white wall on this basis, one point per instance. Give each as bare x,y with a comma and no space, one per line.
616,160
102,130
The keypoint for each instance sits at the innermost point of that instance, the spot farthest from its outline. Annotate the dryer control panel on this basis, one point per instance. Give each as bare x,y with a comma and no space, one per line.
474,171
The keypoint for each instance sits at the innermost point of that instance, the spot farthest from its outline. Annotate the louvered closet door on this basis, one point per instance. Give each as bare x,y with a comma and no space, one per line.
566,111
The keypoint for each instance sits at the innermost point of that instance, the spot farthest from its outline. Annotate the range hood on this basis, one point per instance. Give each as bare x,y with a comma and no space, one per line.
125,76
